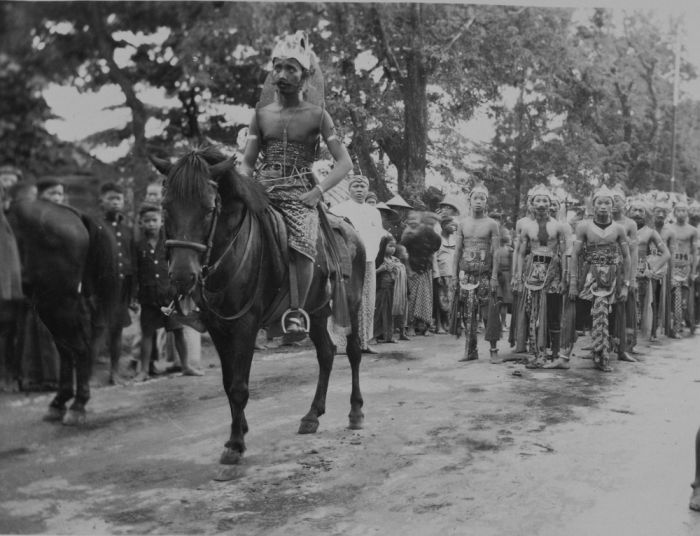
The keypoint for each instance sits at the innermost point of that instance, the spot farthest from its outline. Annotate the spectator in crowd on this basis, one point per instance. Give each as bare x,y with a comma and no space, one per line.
155,292
51,190
112,217
10,287
371,199
154,193
400,307
442,276
421,242
387,267
368,223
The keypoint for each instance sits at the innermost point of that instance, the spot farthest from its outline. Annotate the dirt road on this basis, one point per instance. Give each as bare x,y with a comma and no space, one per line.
448,448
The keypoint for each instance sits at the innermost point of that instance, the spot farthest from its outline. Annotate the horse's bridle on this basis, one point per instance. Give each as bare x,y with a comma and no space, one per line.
203,249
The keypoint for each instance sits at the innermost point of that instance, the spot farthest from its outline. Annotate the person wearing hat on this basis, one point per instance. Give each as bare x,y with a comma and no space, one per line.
685,264
448,207
601,245
287,127
51,190
368,224
112,217
397,220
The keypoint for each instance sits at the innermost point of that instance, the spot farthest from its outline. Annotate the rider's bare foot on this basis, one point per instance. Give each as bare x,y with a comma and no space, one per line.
189,371
695,498
558,363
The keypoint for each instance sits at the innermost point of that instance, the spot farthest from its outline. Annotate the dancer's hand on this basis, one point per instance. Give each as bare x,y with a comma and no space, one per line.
573,293
493,283
623,294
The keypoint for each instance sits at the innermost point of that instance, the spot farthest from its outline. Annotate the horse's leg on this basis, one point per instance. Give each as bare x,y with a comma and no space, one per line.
80,347
236,356
354,351
325,351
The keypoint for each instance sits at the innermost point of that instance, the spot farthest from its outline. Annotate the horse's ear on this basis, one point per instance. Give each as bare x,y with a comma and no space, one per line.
222,167
161,164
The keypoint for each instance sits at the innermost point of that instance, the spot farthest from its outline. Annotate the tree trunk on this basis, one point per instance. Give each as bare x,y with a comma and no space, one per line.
414,89
105,45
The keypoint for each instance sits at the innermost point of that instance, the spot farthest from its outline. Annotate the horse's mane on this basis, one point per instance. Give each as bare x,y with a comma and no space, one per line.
190,176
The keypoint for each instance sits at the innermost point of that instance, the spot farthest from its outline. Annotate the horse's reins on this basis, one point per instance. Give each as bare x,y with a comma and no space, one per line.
206,249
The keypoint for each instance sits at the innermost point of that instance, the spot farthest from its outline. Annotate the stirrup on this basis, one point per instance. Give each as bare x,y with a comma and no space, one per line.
300,312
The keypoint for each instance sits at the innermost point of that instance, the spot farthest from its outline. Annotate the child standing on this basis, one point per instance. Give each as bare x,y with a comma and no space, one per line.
155,291
387,266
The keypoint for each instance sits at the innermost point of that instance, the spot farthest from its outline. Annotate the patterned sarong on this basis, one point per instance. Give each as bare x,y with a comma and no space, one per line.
286,176
600,287
542,277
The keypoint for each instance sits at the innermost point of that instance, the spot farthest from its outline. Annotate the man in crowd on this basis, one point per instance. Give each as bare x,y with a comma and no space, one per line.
51,190
112,217
545,239
476,276
368,223
684,271
626,314
652,261
606,263
518,324
662,307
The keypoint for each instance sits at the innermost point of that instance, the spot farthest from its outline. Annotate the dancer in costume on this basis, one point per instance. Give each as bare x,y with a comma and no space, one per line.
684,271
545,238
662,307
652,261
607,269
286,129
518,324
626,314
476,276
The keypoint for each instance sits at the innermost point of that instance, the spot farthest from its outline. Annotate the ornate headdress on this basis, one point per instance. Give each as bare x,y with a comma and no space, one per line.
681,202
618,191
540,189
295,46
480,188
603,191
662,201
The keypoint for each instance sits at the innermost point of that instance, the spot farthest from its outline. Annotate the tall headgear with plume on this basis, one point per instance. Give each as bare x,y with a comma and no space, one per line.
603,191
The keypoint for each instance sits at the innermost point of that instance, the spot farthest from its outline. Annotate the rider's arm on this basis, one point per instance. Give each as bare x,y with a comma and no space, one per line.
252,148
343,163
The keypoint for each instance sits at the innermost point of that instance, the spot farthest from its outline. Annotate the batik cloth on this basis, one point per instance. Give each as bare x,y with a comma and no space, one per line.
420,296
286,175
602,262
542,279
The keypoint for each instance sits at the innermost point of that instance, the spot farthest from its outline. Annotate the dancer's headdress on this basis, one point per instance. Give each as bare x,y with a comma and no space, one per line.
296,46
540,189
358,178
618,191
681,202
479,188
603,191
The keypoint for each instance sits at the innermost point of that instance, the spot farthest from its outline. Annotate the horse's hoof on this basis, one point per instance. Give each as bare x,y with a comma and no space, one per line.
228,473
74,417
308,426
54,414
230,457
357,422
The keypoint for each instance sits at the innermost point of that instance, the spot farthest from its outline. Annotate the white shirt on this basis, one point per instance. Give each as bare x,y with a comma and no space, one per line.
367,221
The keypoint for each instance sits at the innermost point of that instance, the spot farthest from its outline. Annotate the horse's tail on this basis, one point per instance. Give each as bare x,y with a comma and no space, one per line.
101,276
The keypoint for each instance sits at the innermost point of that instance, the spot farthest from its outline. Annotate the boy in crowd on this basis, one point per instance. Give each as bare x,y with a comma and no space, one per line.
51,190
155,292
112,217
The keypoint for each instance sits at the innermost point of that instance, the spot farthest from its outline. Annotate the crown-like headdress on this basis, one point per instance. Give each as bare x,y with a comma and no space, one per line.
638,201
479,187
681,202
539,189
603,191
618,191
294,46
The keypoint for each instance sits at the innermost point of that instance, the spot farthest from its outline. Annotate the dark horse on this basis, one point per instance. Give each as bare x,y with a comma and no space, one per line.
69,271
227,249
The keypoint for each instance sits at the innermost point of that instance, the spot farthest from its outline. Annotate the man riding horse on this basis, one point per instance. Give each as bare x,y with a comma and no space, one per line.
286,132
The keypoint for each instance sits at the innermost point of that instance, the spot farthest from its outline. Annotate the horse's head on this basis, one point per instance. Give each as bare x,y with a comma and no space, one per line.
191,207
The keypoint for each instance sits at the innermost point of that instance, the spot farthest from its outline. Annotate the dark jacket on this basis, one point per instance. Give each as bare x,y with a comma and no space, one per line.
154,286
